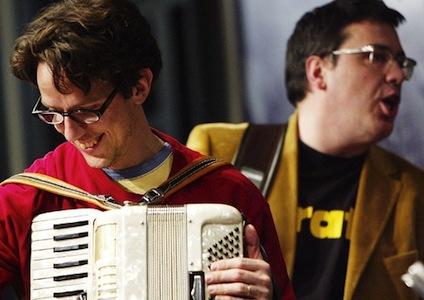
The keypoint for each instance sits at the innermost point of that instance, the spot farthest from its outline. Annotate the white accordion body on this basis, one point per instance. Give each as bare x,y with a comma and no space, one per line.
136,252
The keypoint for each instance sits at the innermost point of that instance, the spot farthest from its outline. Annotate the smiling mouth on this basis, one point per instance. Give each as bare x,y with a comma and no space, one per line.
86,145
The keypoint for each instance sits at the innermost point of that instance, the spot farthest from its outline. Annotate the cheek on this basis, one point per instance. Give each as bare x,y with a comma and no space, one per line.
59,128
117,124
358,90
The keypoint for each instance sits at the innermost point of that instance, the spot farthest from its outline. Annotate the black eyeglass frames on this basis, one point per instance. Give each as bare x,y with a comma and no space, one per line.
84,116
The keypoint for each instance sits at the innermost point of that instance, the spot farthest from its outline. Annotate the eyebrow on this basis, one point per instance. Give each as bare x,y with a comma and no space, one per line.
385,47
90,107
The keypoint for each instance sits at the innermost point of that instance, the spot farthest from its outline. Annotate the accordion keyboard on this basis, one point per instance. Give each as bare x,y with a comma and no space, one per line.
60,258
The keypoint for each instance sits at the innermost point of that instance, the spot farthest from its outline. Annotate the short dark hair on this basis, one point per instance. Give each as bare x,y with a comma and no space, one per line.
86,40
320,31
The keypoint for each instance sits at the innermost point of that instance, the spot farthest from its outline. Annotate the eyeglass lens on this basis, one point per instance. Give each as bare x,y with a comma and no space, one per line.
385,58
79,116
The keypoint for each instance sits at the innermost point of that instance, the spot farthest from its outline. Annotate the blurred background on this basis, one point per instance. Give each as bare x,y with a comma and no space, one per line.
223,62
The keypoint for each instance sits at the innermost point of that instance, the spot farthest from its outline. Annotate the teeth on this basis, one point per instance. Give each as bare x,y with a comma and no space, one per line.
85,145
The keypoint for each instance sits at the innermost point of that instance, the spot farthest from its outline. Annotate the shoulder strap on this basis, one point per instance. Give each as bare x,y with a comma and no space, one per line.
53,185
258,153
187,175
59,187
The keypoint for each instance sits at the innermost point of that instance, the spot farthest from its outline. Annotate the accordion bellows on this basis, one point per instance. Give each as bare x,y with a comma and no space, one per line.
136,252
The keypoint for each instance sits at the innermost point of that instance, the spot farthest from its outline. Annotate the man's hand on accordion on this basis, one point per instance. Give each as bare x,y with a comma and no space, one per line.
242,278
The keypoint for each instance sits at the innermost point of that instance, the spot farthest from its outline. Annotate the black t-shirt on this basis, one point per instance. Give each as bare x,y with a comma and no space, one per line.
327,192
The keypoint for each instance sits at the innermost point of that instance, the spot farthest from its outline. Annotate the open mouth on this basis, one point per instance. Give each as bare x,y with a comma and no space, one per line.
390,105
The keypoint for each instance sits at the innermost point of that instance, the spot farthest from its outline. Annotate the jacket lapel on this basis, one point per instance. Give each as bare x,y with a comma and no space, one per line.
378,191
283,197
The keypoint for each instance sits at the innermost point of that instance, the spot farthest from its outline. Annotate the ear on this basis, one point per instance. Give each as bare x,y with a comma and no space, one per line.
141,90
315,67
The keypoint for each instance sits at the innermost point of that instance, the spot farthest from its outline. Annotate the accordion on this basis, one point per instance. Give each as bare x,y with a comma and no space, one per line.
136,252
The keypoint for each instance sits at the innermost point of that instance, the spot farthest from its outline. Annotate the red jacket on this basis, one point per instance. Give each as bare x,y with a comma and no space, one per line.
19,204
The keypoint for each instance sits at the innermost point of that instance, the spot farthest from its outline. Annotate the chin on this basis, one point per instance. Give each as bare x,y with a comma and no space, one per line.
383,132
381,127
97,163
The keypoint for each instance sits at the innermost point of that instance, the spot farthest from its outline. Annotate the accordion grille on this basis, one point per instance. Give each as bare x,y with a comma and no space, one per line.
167,254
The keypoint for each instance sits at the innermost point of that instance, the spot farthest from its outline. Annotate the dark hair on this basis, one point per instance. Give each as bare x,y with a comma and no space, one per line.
320,31
86,40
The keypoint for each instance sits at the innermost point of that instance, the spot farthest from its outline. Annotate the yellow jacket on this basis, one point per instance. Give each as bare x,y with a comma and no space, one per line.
387,229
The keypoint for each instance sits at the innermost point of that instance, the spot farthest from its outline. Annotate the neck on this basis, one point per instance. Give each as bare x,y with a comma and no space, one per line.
142,144
320,131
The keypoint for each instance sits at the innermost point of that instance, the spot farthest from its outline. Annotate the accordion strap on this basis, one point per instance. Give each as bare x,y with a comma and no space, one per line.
198,168
259,152
59,187
53,185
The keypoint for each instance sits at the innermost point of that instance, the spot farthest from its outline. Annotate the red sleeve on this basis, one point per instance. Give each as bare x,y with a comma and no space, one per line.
259,214
15,222
282,286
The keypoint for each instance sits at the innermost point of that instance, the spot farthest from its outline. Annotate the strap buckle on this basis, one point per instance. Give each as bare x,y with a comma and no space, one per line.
152,196
107,200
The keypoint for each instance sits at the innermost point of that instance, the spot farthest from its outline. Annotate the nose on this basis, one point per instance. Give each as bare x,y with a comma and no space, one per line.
70,128
395,73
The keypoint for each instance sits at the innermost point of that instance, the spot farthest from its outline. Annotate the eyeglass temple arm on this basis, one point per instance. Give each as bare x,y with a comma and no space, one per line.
354,50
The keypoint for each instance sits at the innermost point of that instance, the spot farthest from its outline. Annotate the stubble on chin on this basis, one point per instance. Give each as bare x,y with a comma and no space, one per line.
96,162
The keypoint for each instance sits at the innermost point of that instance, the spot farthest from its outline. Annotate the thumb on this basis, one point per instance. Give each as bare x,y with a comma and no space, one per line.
251,239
